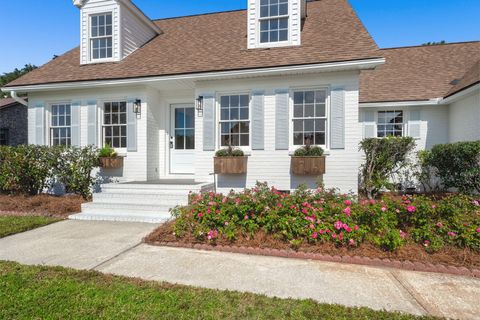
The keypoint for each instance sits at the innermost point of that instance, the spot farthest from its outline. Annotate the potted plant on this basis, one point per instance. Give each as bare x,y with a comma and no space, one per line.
308,160
230,161
109,158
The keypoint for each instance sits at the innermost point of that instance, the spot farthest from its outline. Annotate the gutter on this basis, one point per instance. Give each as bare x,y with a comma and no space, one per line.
244,73
18,99
431,102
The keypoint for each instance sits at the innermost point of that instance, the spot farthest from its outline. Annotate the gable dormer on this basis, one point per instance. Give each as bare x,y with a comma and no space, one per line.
110,30
275,23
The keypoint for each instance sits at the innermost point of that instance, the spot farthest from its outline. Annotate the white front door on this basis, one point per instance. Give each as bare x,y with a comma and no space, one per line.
182,139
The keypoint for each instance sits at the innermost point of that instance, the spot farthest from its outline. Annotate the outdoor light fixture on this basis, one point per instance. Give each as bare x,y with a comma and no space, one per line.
199,104
137,106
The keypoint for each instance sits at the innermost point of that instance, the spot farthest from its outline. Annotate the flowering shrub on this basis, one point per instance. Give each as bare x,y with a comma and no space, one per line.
324,216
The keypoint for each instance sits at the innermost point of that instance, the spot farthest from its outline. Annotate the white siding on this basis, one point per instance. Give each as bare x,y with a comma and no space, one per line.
135,33
31,121
295,24
273,165
465,118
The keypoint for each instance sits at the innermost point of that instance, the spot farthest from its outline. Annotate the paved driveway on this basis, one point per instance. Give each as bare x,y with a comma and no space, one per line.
116,248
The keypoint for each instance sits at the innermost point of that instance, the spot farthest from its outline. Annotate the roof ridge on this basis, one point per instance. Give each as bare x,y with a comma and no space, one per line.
437,45
199,14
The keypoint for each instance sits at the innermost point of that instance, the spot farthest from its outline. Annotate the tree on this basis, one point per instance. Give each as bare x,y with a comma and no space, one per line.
15,74
434,43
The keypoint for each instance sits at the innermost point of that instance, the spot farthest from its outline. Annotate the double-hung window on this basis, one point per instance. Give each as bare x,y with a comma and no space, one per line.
60,125
274,21
390,124
310,117
115,124
235,120
101,36
3,136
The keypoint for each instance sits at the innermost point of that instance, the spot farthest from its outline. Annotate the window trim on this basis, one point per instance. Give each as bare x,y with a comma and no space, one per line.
404,123
218,140
48,114
258,32
101,123
90,38
292,147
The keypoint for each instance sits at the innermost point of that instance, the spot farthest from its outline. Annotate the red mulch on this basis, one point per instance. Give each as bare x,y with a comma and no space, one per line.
44,205
450,256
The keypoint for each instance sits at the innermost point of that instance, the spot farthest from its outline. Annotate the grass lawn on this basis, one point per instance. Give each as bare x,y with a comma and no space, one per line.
14,224
28,292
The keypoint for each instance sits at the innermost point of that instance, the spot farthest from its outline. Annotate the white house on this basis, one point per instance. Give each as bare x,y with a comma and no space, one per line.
168,93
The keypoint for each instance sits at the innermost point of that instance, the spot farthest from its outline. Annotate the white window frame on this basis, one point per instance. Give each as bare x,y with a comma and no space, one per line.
403,124
326,146
259,19
49,123
219,121
91,38
102,125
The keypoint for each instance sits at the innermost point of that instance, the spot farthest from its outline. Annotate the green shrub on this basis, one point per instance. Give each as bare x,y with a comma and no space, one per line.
107,152
457,165
309,151
383,159
31,169
229,152
326,217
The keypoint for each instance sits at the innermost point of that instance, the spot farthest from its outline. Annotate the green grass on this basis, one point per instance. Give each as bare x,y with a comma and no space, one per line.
34,292
11,224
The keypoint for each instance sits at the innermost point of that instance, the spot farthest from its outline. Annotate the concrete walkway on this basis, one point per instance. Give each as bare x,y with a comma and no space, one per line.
116,248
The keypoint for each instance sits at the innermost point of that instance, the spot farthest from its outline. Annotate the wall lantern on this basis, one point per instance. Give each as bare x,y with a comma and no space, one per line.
199,105
137,107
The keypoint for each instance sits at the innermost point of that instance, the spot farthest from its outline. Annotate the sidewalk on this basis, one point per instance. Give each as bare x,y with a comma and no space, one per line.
115,248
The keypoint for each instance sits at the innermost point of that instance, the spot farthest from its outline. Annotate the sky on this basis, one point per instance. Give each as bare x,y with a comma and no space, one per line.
36,30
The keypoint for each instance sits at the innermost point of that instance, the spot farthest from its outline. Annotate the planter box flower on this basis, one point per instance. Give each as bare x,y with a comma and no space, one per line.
230,161
111,162
308,160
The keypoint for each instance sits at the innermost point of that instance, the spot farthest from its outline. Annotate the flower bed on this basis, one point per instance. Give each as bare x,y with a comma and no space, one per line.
41,205
311,220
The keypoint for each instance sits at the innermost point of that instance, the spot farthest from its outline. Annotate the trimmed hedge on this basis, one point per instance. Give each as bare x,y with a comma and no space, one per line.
33,169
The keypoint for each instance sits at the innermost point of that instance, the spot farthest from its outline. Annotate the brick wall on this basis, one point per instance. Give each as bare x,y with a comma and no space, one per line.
14,118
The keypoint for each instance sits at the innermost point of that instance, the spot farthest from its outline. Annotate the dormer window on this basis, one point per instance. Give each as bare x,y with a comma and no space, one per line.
101,36
274,18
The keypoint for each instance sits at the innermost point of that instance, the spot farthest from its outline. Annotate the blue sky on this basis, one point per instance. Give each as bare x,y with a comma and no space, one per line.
35,30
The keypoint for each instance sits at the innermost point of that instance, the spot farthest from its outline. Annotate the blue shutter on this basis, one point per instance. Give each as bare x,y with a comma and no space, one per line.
258,121
92,123
39,123
209,123
281,119
75,123
337,116
131,127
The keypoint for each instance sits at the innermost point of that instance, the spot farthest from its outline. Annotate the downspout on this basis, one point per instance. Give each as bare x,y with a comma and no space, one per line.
17,98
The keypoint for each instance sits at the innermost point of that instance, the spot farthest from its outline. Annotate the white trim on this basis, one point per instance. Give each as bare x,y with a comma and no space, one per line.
399,104
461,94
321,67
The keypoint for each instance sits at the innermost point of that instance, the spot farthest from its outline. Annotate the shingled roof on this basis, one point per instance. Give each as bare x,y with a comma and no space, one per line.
422,73
218,42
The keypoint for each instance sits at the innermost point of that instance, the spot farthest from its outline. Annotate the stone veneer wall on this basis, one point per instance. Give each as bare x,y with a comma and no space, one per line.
14,118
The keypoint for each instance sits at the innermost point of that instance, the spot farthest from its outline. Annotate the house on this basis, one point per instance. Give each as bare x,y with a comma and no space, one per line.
13,123
168,93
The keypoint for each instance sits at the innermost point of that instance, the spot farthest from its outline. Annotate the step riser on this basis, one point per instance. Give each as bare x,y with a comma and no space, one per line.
127,207
125,212
157,187
137,198
157,203
119,218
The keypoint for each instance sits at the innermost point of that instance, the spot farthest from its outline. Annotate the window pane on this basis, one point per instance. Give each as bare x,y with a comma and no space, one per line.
274,36
244,114
298,111
179,139
320,125
115,118
244,100
224,140
309,110
297,125
109,19
190,139
179,118
225,101
320,138
274,10
235,127
298,97
244,140
235,140
298,139
264,37
234,114
320,110
244,127
283,9
225,127
320,96
309,125
224,114
308,138
309,97
123,142
189,118
264,11
234,101
123,106
283,36
123,118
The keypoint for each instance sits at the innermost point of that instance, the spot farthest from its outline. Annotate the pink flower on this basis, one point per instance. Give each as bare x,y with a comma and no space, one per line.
384,209
293,207
452,234
426,243
348,229
347,202
476,203
345,226
246,217
356,228
226,223
322,232
315,235
434,206
403,235
351,242
347,211
373,201
209,211
411,209
334,235
340,236
279,205
238,201
338,225
312,226
217,211
304,210
440,225
478,230
200,215
397,210
224,200
212,234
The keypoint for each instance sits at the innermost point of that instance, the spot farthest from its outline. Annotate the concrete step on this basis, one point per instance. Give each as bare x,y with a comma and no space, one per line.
95,207
121,217
201,187
157,199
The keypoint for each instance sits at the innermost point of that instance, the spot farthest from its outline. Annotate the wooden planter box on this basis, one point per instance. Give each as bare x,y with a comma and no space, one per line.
230,165
111,162
308,165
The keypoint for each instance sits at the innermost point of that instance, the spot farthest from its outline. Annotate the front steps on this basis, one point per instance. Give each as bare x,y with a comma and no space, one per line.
139,202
